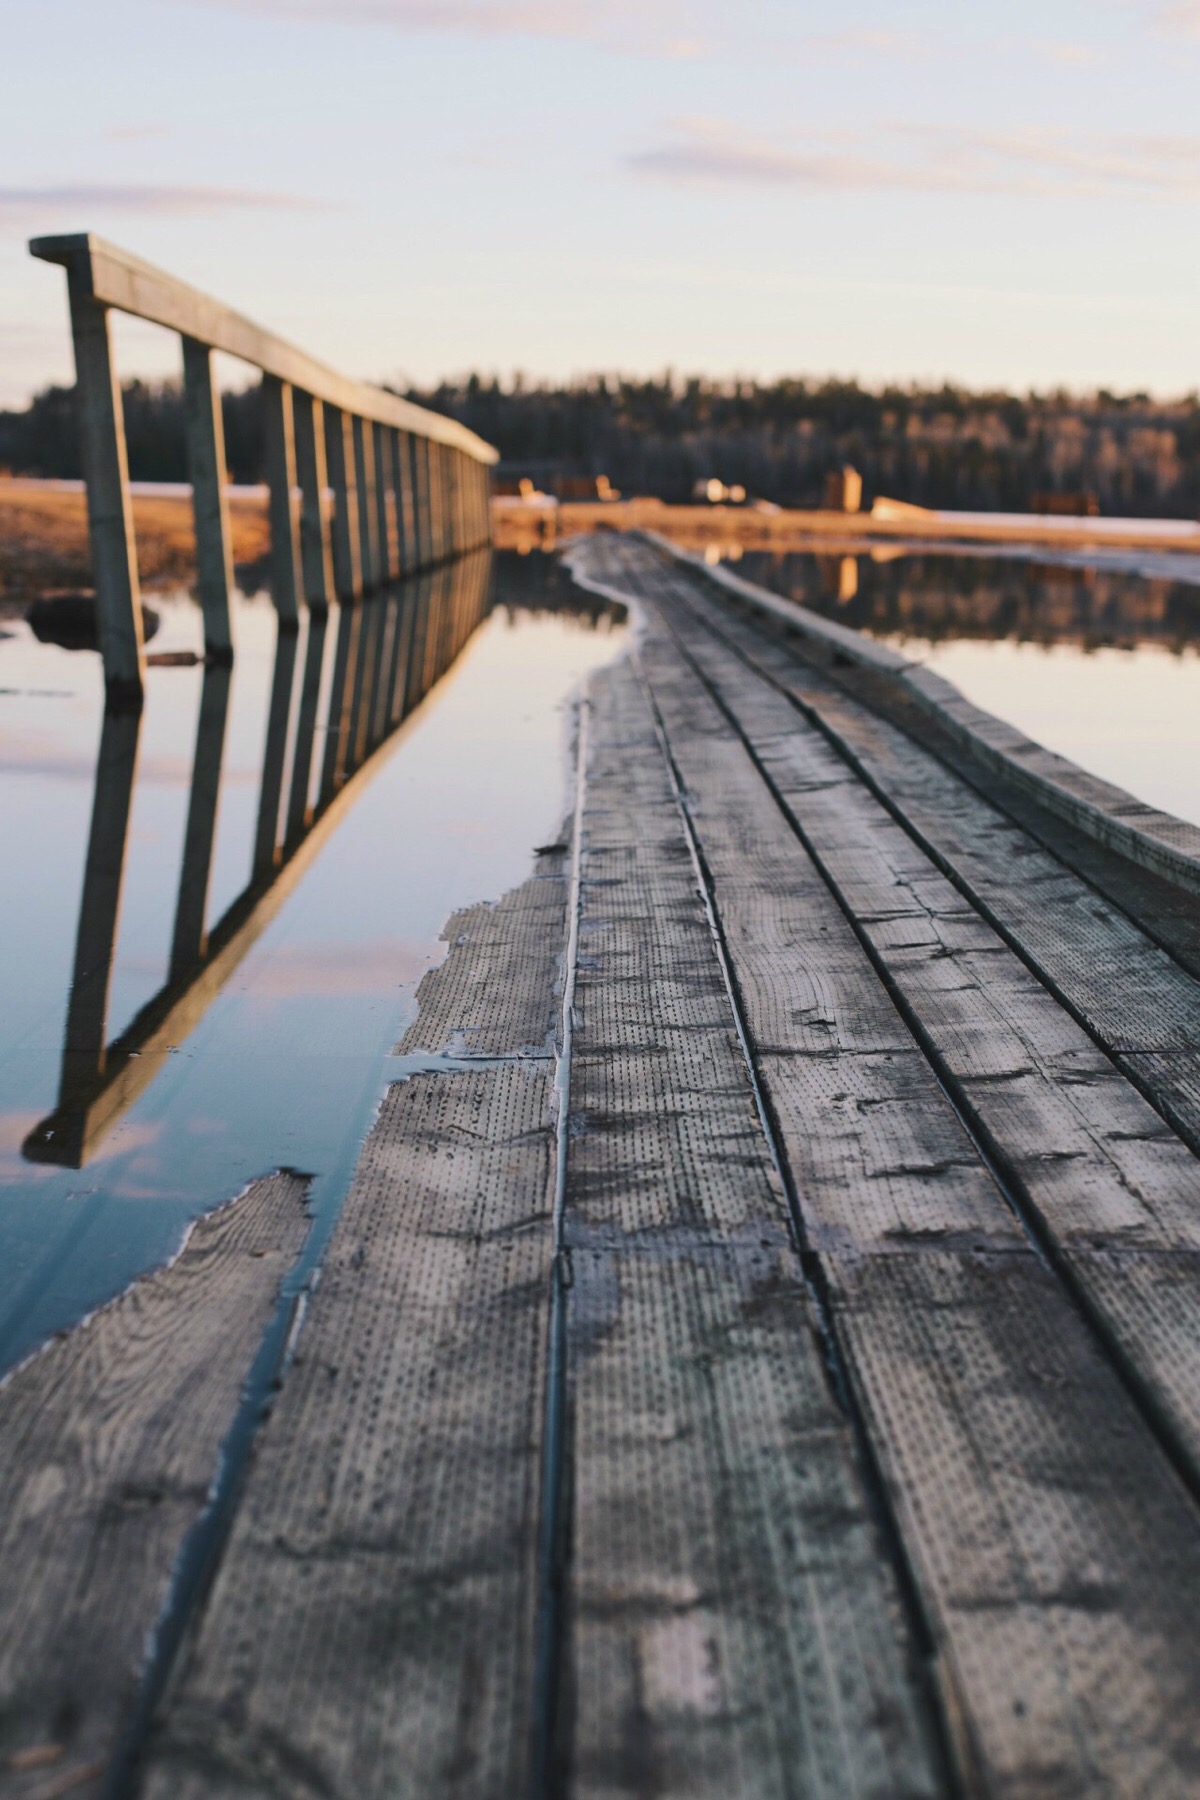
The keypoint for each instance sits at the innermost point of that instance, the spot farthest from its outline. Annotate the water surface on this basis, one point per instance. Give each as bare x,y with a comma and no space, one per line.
141,1088
1097,662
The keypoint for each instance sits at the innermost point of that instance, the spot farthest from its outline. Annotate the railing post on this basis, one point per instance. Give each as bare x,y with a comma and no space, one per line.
439,492
308,424
453,529
399,477
420,509
281,475
431,497
437,512
106,469
205,431
455,492
343,479
364,461
381,455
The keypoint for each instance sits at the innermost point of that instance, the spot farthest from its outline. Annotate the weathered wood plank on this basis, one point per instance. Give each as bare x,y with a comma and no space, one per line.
370,1631
1019,1468
1133,996
734,1621
1115,1192
109,1439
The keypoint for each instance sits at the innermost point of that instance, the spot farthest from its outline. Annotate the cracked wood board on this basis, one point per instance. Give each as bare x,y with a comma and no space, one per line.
109,1439
1022,1475
734,1623
369,1632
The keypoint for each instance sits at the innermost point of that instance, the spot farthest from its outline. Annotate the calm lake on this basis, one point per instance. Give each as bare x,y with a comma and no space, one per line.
203,979
215,917
1093,660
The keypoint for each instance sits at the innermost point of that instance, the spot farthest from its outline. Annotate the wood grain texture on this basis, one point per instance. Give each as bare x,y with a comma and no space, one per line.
1115,1191
370,1631
734,1622
109,1440
1131,994
1158,842
1021,1472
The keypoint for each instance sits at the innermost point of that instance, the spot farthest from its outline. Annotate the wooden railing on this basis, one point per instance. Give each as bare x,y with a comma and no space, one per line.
409,487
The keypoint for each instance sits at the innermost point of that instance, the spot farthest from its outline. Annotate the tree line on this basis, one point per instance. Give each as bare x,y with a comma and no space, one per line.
945,447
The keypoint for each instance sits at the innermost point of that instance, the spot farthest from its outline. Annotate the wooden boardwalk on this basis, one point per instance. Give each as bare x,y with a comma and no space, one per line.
759,1354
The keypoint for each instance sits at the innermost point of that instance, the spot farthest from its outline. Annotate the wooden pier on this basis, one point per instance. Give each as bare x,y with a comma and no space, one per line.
759,1353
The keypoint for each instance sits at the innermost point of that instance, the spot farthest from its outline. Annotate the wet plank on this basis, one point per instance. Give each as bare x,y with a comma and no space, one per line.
734,1621
1020,1471
109,1440
1114,1191
370,1630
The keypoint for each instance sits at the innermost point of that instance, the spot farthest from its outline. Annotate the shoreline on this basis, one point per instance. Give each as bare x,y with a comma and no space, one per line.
44,547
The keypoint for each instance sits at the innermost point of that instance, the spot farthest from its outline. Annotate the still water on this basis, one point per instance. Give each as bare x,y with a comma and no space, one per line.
214,919
1097,662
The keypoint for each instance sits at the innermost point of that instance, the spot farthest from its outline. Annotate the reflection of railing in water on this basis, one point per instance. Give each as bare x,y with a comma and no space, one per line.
409,487
389,651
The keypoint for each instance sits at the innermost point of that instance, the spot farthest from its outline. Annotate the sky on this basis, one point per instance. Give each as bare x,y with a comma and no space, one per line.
997,194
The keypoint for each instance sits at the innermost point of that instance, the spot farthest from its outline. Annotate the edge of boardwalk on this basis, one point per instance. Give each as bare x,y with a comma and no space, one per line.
1154,840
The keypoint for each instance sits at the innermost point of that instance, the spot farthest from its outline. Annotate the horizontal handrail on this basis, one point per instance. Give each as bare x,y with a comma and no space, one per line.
116,278
410,487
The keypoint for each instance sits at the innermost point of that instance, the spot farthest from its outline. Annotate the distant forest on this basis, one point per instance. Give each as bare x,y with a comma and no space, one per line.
947,447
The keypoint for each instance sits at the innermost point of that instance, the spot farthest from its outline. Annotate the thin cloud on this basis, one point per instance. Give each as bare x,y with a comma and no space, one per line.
929,160
1181,18
663,28
1062,53
21,205
135,134
865,41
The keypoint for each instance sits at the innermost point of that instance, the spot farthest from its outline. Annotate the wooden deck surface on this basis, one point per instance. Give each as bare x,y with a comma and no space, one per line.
759,1354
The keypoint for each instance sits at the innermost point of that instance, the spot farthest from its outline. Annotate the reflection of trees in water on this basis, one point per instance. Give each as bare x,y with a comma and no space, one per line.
940,597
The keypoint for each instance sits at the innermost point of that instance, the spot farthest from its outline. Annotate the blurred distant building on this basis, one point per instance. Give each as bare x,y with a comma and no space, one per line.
584,487
512,480
843,490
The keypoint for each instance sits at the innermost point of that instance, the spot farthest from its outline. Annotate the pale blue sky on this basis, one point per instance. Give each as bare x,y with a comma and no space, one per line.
995,193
